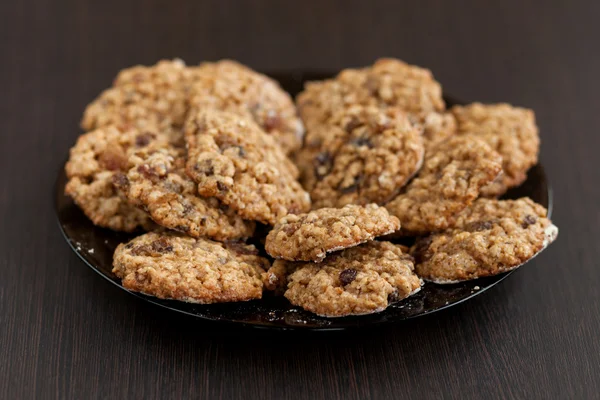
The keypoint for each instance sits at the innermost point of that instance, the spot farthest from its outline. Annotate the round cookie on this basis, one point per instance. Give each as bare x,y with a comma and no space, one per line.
158,183
93,161
232,159
229,86
308,237
511,131
356,281
387,83
493,236
144,96
452,176
364,155
172,266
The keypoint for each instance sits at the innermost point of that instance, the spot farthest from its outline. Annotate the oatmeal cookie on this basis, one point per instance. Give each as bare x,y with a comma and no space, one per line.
451,178
308,237
511,131
364,155
232,159
157,182
93,161
360,280
388,82
229,86
492,236
172,266
144,96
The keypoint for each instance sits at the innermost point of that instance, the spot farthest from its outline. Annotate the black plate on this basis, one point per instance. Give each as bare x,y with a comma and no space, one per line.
95,246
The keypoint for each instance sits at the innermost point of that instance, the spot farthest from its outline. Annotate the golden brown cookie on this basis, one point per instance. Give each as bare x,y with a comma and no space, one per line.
232,159
387,83
144,96
229,86
308,237
511,131
172,266
158,183
360,280
363,155
492,236
451,178
93,161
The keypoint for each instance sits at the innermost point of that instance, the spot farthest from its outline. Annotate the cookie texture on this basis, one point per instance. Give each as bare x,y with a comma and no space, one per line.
387,83
363,155
229,86
144,96
172,266
360,280
232,159
309,237
452,176
509,130
158,183
492,236
93,161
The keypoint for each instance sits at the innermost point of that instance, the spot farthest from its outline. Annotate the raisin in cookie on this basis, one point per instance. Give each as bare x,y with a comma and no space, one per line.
360,280
157,182
364,155
93,161
229,86
308,237
172,266
388,82
511,131
232,159
452,176
492,236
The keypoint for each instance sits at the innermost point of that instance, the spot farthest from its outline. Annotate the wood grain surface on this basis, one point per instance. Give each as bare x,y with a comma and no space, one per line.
67,334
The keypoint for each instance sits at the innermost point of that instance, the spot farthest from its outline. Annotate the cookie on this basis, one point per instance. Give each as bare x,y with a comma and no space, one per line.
229,86
308,237
356,281
144,96
387,83
364,155
437,127
172,266
157,182
93,161
452,176
511,131
492,237
232,159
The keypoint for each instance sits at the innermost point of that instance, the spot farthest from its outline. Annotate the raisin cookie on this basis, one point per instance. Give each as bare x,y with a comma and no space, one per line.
452,176
172,266
232,159
308,237
158,183
387,83
229,86
511,131
356,281
144,96
492,236
364,155
93,161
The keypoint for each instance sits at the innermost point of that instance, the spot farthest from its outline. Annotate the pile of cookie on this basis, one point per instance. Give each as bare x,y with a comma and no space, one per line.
243,192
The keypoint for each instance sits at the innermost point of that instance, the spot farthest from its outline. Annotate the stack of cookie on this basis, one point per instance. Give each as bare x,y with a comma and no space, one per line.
210,158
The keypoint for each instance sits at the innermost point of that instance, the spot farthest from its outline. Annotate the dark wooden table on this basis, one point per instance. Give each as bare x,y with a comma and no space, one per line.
66,333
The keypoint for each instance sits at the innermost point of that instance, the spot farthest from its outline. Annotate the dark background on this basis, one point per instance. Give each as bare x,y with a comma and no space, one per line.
66,333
